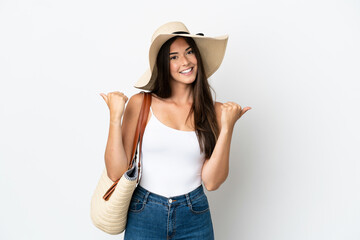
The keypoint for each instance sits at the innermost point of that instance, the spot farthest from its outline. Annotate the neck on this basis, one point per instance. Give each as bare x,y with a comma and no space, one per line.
181,94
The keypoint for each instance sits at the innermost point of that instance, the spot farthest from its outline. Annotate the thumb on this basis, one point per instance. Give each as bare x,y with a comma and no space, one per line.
104,96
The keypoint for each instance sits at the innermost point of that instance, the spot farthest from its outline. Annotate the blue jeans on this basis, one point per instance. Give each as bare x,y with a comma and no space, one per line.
153,216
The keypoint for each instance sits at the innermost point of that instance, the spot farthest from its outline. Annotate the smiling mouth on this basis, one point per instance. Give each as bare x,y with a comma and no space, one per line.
187,71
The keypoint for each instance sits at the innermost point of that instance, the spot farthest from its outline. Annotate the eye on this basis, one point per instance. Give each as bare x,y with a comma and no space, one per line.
173,57
190,52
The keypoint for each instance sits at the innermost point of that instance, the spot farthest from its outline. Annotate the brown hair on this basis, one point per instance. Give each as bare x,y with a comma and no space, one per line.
206,127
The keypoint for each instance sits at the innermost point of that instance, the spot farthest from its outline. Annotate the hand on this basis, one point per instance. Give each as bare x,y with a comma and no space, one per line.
230,113
116,103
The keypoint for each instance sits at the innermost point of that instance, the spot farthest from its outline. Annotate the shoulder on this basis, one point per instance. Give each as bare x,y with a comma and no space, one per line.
136,98
133,106
135,101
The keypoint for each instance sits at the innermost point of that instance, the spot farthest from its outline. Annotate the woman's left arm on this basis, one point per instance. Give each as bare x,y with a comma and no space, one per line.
216,169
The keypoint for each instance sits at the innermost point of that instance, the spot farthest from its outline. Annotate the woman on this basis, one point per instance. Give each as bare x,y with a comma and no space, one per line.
186,140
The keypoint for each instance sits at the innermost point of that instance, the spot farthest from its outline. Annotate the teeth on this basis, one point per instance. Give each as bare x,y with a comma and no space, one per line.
186,71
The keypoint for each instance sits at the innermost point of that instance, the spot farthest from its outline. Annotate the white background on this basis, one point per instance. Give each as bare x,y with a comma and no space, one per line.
294,157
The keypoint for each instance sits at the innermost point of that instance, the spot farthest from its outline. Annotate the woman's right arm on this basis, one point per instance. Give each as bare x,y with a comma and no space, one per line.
121,135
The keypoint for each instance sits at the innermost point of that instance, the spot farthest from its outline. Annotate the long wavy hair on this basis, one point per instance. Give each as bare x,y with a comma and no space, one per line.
206,127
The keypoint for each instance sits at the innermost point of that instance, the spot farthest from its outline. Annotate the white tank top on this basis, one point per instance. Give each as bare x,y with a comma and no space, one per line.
171,160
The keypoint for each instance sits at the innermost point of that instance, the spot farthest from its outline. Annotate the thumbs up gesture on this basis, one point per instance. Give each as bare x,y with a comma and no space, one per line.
230,113
116,104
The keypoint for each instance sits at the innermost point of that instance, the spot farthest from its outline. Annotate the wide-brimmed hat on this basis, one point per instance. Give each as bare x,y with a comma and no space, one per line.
212,50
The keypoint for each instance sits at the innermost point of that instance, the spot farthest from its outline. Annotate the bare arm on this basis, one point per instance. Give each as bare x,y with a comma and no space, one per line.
116,161
216,169
120,138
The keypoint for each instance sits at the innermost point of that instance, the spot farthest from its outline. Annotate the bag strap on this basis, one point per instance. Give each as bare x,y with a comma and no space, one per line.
147,103
140,128
144,113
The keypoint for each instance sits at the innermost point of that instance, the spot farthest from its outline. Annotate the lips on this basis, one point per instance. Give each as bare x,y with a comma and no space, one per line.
187,71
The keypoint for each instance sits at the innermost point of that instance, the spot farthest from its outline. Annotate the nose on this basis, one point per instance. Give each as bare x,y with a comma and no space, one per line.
184,61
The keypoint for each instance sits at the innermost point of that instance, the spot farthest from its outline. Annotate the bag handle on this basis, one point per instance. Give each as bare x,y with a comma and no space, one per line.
144,113
140,128
147,103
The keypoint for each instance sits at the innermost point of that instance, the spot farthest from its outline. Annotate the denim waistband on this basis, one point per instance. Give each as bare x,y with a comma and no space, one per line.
147,195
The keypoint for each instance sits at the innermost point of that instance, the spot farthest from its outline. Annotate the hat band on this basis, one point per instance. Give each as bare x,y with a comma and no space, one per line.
183,32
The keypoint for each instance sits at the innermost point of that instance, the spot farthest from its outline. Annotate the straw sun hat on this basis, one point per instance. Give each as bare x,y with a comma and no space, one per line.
212,50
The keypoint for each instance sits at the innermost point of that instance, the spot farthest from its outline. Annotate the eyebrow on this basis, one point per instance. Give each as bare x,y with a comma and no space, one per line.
177,52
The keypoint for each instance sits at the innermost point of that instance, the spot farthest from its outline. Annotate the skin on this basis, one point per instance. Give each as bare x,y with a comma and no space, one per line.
171,112
181,58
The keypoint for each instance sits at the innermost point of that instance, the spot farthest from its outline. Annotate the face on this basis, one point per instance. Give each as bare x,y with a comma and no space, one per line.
183,63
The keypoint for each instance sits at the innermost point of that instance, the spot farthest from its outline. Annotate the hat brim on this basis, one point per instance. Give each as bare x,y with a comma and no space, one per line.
212,50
